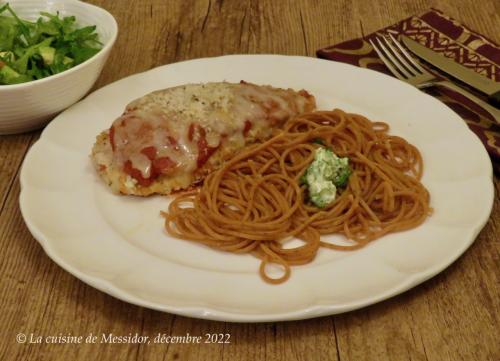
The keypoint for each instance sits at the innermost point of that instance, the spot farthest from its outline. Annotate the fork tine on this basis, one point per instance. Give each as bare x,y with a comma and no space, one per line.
407,56
398,59
392,59
386,61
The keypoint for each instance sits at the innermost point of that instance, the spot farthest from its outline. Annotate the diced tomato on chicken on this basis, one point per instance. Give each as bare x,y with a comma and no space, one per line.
204,151
164,165
160,165
136,174
149,152
191,132
173,142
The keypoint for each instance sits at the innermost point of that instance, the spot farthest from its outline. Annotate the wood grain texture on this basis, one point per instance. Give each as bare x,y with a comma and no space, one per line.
454,316
12,151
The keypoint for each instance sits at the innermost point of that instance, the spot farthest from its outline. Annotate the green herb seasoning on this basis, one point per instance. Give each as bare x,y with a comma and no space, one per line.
50,45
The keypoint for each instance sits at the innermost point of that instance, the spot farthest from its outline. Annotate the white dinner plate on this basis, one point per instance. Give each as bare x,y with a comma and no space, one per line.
117,244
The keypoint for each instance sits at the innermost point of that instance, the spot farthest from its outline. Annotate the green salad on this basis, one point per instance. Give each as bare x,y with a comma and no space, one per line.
31,50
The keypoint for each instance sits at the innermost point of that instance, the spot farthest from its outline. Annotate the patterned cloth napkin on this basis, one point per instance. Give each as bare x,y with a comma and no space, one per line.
445,35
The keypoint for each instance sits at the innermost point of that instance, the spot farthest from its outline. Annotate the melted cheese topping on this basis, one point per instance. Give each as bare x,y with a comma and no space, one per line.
176,129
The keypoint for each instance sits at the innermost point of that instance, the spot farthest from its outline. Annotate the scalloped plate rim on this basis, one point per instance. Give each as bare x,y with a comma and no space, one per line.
211,312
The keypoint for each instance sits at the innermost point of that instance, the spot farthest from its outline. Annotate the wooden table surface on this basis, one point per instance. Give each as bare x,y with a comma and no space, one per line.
454,316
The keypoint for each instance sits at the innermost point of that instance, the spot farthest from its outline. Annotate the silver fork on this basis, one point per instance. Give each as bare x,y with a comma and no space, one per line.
405,68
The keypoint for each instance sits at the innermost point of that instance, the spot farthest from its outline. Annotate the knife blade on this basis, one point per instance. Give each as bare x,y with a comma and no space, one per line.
460,72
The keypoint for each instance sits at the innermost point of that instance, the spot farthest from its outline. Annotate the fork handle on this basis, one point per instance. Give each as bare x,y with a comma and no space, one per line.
493,111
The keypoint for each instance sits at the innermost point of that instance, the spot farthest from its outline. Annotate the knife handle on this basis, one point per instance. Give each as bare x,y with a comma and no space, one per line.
493,111
494,99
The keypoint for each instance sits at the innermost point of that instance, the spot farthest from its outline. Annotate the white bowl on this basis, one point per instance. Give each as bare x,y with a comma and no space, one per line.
30,105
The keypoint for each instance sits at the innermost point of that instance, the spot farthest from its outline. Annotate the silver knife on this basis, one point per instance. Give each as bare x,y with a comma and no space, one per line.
460,72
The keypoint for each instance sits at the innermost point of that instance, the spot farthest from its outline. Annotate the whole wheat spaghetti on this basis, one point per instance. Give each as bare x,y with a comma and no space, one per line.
255,201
